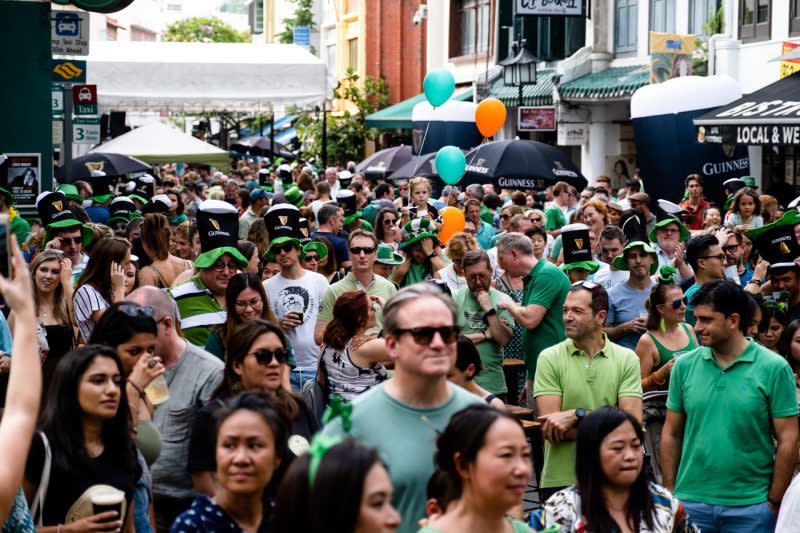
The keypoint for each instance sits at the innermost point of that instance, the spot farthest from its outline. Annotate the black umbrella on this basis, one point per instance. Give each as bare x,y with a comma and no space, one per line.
422,166
256,145
520,164
383,163
111,164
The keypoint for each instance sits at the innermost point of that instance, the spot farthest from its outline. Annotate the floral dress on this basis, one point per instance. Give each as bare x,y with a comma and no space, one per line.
514,348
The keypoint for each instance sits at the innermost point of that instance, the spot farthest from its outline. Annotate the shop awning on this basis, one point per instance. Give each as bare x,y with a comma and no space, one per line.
398,115
768,116
611,84
540,94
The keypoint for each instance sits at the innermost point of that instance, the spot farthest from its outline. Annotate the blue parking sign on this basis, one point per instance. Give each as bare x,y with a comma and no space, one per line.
68,24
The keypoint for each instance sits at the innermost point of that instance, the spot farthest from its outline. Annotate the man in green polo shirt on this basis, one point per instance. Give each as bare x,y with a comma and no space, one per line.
544,292
479,319
730,440
363,248
585,372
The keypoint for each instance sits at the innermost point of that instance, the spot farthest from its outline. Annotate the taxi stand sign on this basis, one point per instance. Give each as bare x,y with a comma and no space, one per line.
84,99
86,130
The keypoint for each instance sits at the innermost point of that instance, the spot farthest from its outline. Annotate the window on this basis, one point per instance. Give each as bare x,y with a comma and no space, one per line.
473,27
625,27
352,53
330,57
754,20
662,16
794,17
700,11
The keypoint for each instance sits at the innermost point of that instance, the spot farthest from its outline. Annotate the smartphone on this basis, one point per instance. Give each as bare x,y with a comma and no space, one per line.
5,253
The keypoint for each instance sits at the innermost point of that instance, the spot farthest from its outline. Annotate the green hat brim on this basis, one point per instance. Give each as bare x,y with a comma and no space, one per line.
350,218
8,196
118,219
395,260
137,198
791,218
591,266
102,198
621,264
207,259
666,222
86,232
270,255
321,249
417,238
75,198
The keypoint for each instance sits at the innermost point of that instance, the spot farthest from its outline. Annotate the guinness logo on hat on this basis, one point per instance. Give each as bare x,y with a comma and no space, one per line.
51,208
304,231
576,243
58,205
579,243
784,248
214,223
283,220
217,225
776,242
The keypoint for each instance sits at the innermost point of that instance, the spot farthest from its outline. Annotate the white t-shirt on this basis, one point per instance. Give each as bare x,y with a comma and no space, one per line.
286,295
607,277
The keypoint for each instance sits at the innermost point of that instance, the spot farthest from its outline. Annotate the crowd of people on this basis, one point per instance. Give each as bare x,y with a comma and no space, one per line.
285,348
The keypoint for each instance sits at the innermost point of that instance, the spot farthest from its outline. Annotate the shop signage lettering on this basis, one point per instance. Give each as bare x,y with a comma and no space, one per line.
774,108
768,135
709,169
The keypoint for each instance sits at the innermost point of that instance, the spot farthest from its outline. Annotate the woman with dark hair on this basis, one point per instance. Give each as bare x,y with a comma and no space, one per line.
250,439
468,365
175,214
386,228
774,320
612,493
102,282
327,265
85,426
165,267
486,455
259,236
257,360
789,347
351,360
250,252
349,491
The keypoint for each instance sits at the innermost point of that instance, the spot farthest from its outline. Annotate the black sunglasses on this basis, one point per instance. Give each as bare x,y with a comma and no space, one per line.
425,335
73,240
264,357
356,250
676,303
285,248
389,221
310,257
133,310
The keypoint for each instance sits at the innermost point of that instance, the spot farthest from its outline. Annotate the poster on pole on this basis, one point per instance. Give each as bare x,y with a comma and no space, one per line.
23,178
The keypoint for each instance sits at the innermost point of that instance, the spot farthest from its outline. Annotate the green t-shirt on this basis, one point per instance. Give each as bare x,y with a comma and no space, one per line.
566,371
728,449
554,218
470,319
555,251
690,318
516,526
405,437
547,286
486,215
380,287
420,272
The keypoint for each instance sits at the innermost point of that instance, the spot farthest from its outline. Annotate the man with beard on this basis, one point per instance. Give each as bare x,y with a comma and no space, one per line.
669,235
584,372
201,300
626,310
479,318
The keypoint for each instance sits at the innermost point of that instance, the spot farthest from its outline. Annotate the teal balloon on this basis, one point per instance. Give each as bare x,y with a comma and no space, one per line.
438,86
450,164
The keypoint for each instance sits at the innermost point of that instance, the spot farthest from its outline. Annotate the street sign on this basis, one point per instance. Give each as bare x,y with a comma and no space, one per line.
58,130
57,100
84,99
69,33
86,131
302,35
71,70
549,7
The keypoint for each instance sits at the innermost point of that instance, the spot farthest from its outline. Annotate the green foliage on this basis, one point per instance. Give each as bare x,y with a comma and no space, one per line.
303,16
713,26
234,6
204,30
346,133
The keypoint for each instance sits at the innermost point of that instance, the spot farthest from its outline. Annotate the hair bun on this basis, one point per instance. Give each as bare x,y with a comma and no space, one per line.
666,275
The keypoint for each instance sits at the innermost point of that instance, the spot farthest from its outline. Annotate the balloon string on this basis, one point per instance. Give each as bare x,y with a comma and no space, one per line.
416,162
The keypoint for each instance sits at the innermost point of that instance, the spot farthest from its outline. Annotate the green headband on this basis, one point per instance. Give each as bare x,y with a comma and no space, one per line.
320,444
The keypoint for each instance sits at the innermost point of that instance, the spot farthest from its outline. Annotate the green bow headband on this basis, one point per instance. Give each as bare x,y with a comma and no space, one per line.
666,275
320,444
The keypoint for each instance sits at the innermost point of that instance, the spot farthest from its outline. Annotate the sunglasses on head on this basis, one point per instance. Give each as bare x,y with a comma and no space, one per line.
356,250
593,287
676,303
285,248
425,335
133,310
264,357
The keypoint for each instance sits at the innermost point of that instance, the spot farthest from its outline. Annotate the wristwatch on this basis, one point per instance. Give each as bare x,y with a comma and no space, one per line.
487,314
580,413
432,255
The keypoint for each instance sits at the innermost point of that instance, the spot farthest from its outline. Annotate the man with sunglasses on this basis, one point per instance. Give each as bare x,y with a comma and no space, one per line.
363,253
401,417
582,373
63,231
669,235
708,261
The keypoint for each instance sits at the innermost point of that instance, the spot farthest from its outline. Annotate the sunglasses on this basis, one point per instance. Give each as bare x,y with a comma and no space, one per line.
356,250
73,240
505,216
731,248
264,357
676,303
389,221
308,258
133,310
536,219
425,335
594,288
219,267
285,248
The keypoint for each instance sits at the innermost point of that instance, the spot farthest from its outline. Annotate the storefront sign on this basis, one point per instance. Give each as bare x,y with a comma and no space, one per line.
537,119
750,135
549,7
570,134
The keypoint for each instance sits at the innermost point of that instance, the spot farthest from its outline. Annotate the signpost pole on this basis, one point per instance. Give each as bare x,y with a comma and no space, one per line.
66,152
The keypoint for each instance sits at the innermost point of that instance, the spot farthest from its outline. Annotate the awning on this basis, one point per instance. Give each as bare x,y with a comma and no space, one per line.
196,77
540,94
768,116
398,115
611,84
286,136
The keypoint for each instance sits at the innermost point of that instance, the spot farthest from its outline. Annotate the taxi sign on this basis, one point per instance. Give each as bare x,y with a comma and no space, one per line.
84,99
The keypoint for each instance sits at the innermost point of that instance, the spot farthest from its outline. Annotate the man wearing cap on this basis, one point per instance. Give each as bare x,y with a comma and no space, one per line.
669,235
707,259
293,195
331,221
348,201
71,192
98,210
577,249
385,262
627,313
201,300
284,178
363,252
421,251
295,294
640,202
777,244
488,326
121,210
695,204
63,231
259,199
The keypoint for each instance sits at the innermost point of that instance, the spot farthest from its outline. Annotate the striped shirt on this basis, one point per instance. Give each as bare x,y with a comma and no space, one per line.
86,301
198,310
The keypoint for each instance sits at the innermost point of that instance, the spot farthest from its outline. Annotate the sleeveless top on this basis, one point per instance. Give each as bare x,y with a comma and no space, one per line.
665,354
347,379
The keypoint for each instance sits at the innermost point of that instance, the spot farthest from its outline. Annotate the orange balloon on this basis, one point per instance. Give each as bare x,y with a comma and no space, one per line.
452,222
490,115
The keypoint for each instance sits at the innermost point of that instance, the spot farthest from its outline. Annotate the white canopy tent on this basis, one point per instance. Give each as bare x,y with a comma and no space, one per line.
196,77
160,143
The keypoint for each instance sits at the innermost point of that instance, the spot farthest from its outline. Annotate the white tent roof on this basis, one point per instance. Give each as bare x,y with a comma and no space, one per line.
194,77
160,143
